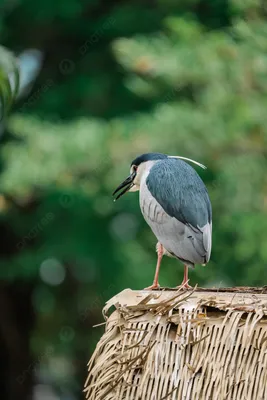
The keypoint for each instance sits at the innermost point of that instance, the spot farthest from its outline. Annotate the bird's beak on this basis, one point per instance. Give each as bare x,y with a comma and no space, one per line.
125,185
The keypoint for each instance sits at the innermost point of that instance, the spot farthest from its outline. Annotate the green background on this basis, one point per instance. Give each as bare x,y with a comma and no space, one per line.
120,79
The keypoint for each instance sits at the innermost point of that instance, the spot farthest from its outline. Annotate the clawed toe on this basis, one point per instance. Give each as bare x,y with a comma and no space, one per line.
153,287
184,285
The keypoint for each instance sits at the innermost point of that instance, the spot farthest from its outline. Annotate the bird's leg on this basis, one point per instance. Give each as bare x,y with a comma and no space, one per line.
185,284
155,284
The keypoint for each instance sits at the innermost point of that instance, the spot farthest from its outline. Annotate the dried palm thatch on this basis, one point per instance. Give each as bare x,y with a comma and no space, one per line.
186,345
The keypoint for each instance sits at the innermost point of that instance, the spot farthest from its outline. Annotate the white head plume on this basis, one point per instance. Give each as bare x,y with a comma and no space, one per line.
189,159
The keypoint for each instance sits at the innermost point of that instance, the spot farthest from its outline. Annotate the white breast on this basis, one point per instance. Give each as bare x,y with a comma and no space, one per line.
150,208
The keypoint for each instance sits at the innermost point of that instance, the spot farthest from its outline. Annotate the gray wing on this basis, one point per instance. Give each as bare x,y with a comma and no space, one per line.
176,205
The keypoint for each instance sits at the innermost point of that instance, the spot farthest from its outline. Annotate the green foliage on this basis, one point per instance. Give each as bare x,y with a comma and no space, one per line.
188,80
8,72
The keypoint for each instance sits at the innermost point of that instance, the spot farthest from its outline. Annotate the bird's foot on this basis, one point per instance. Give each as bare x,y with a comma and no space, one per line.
184,285
155,285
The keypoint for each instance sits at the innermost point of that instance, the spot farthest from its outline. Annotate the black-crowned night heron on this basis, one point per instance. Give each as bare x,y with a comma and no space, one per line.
175,203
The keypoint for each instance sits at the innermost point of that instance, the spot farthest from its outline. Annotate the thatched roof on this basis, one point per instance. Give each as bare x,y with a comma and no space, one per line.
185,345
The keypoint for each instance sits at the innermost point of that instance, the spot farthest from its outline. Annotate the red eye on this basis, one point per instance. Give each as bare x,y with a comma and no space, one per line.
135,168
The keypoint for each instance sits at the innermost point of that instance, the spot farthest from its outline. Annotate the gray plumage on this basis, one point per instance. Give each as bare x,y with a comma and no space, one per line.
175,203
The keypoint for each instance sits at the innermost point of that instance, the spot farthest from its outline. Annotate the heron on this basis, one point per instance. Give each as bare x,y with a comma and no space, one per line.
175,204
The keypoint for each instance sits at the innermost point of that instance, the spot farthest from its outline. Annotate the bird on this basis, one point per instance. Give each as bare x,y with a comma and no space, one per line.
175,204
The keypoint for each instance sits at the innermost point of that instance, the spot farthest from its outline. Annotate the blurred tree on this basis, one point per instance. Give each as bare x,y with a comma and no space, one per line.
15,352
53,231
125,82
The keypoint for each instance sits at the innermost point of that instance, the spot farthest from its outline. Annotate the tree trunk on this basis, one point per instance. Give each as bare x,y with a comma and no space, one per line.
16,323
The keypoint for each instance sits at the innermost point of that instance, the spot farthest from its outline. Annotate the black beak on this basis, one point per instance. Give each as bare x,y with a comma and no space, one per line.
125,185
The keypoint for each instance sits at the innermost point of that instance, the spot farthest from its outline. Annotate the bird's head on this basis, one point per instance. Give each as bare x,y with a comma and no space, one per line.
140,166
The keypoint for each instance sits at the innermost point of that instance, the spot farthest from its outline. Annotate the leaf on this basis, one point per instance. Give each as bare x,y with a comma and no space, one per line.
8,69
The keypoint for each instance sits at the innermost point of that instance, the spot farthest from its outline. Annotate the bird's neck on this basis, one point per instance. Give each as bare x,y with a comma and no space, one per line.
144,171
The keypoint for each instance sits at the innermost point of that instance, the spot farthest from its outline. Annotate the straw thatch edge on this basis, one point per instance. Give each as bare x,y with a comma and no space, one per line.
141,328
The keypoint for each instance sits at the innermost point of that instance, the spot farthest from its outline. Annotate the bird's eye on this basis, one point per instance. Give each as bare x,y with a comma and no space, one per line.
135,168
